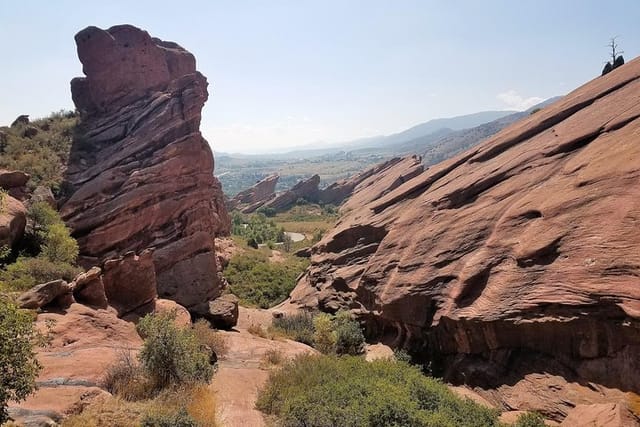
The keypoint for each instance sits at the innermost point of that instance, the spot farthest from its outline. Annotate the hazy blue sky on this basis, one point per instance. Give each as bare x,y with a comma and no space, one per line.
286,73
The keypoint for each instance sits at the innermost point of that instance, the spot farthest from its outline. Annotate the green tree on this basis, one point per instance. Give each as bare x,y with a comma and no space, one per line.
59,246
324,337
18,364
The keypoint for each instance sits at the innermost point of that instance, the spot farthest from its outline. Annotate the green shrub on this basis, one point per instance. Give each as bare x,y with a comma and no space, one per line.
324,336
298,326
256,227
349,391
258,282
18,364
25,273
181,418
53,252
529,419
349,336
171,355
59,246
43,156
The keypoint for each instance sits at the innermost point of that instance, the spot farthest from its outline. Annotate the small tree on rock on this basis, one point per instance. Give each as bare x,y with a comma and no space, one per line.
616,57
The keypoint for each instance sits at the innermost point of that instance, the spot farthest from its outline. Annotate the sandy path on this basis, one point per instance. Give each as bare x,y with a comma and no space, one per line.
243,371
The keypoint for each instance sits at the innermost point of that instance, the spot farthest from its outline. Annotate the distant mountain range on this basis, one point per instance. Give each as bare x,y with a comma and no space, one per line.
435,140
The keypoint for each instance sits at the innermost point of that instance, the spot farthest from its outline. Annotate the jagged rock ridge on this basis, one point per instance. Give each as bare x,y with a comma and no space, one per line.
140,173
519,255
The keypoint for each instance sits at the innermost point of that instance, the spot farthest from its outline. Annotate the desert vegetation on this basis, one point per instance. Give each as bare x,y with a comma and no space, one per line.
259,282
18,364
349,391
46,252
329,334
40,148
166,384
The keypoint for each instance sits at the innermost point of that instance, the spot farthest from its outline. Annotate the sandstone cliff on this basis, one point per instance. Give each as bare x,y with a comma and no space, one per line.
140,173
521,255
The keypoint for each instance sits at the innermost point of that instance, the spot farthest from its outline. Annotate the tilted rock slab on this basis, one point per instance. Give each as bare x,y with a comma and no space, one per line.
527,244
140,173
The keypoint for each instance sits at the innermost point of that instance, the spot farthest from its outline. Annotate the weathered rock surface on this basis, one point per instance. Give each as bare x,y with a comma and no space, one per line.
221,313
84,343
43,294
140,174
525,245
339,191
601,415
130,282
13,179
252,198
13,220
168,307
88,289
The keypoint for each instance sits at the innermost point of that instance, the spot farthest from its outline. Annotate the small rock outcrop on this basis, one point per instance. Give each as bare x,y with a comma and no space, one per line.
306,189
130,282
140,173
13,220
44,294
511,264
252,198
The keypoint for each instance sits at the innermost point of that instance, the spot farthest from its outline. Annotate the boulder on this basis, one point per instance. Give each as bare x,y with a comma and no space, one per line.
165,306
13,220
43,294
12,179
143,175
222,312
21,120
88,289
130,282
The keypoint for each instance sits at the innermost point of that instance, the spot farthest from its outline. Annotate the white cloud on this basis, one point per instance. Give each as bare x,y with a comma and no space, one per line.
514,101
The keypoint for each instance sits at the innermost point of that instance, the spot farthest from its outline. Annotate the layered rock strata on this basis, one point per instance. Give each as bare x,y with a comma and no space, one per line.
140,173
519,255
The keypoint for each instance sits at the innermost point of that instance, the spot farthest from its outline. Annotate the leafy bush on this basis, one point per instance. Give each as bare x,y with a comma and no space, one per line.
326,333
258,282
349,336
171,355
28,272
256,228
529,419
52,248
298,327
18,364
349,391
324,336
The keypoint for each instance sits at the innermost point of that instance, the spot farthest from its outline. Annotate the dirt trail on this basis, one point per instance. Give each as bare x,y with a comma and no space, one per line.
244,370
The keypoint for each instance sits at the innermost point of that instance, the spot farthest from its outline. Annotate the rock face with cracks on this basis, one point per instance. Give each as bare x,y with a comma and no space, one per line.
525,247
140,173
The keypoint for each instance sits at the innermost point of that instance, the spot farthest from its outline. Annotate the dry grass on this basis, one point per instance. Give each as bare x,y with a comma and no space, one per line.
211,338
126,379
273,357
257,330
108,412
198,400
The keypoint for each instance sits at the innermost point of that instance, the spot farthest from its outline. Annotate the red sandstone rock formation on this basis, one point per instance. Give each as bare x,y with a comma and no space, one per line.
252,198
521,255
305,189
140,173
